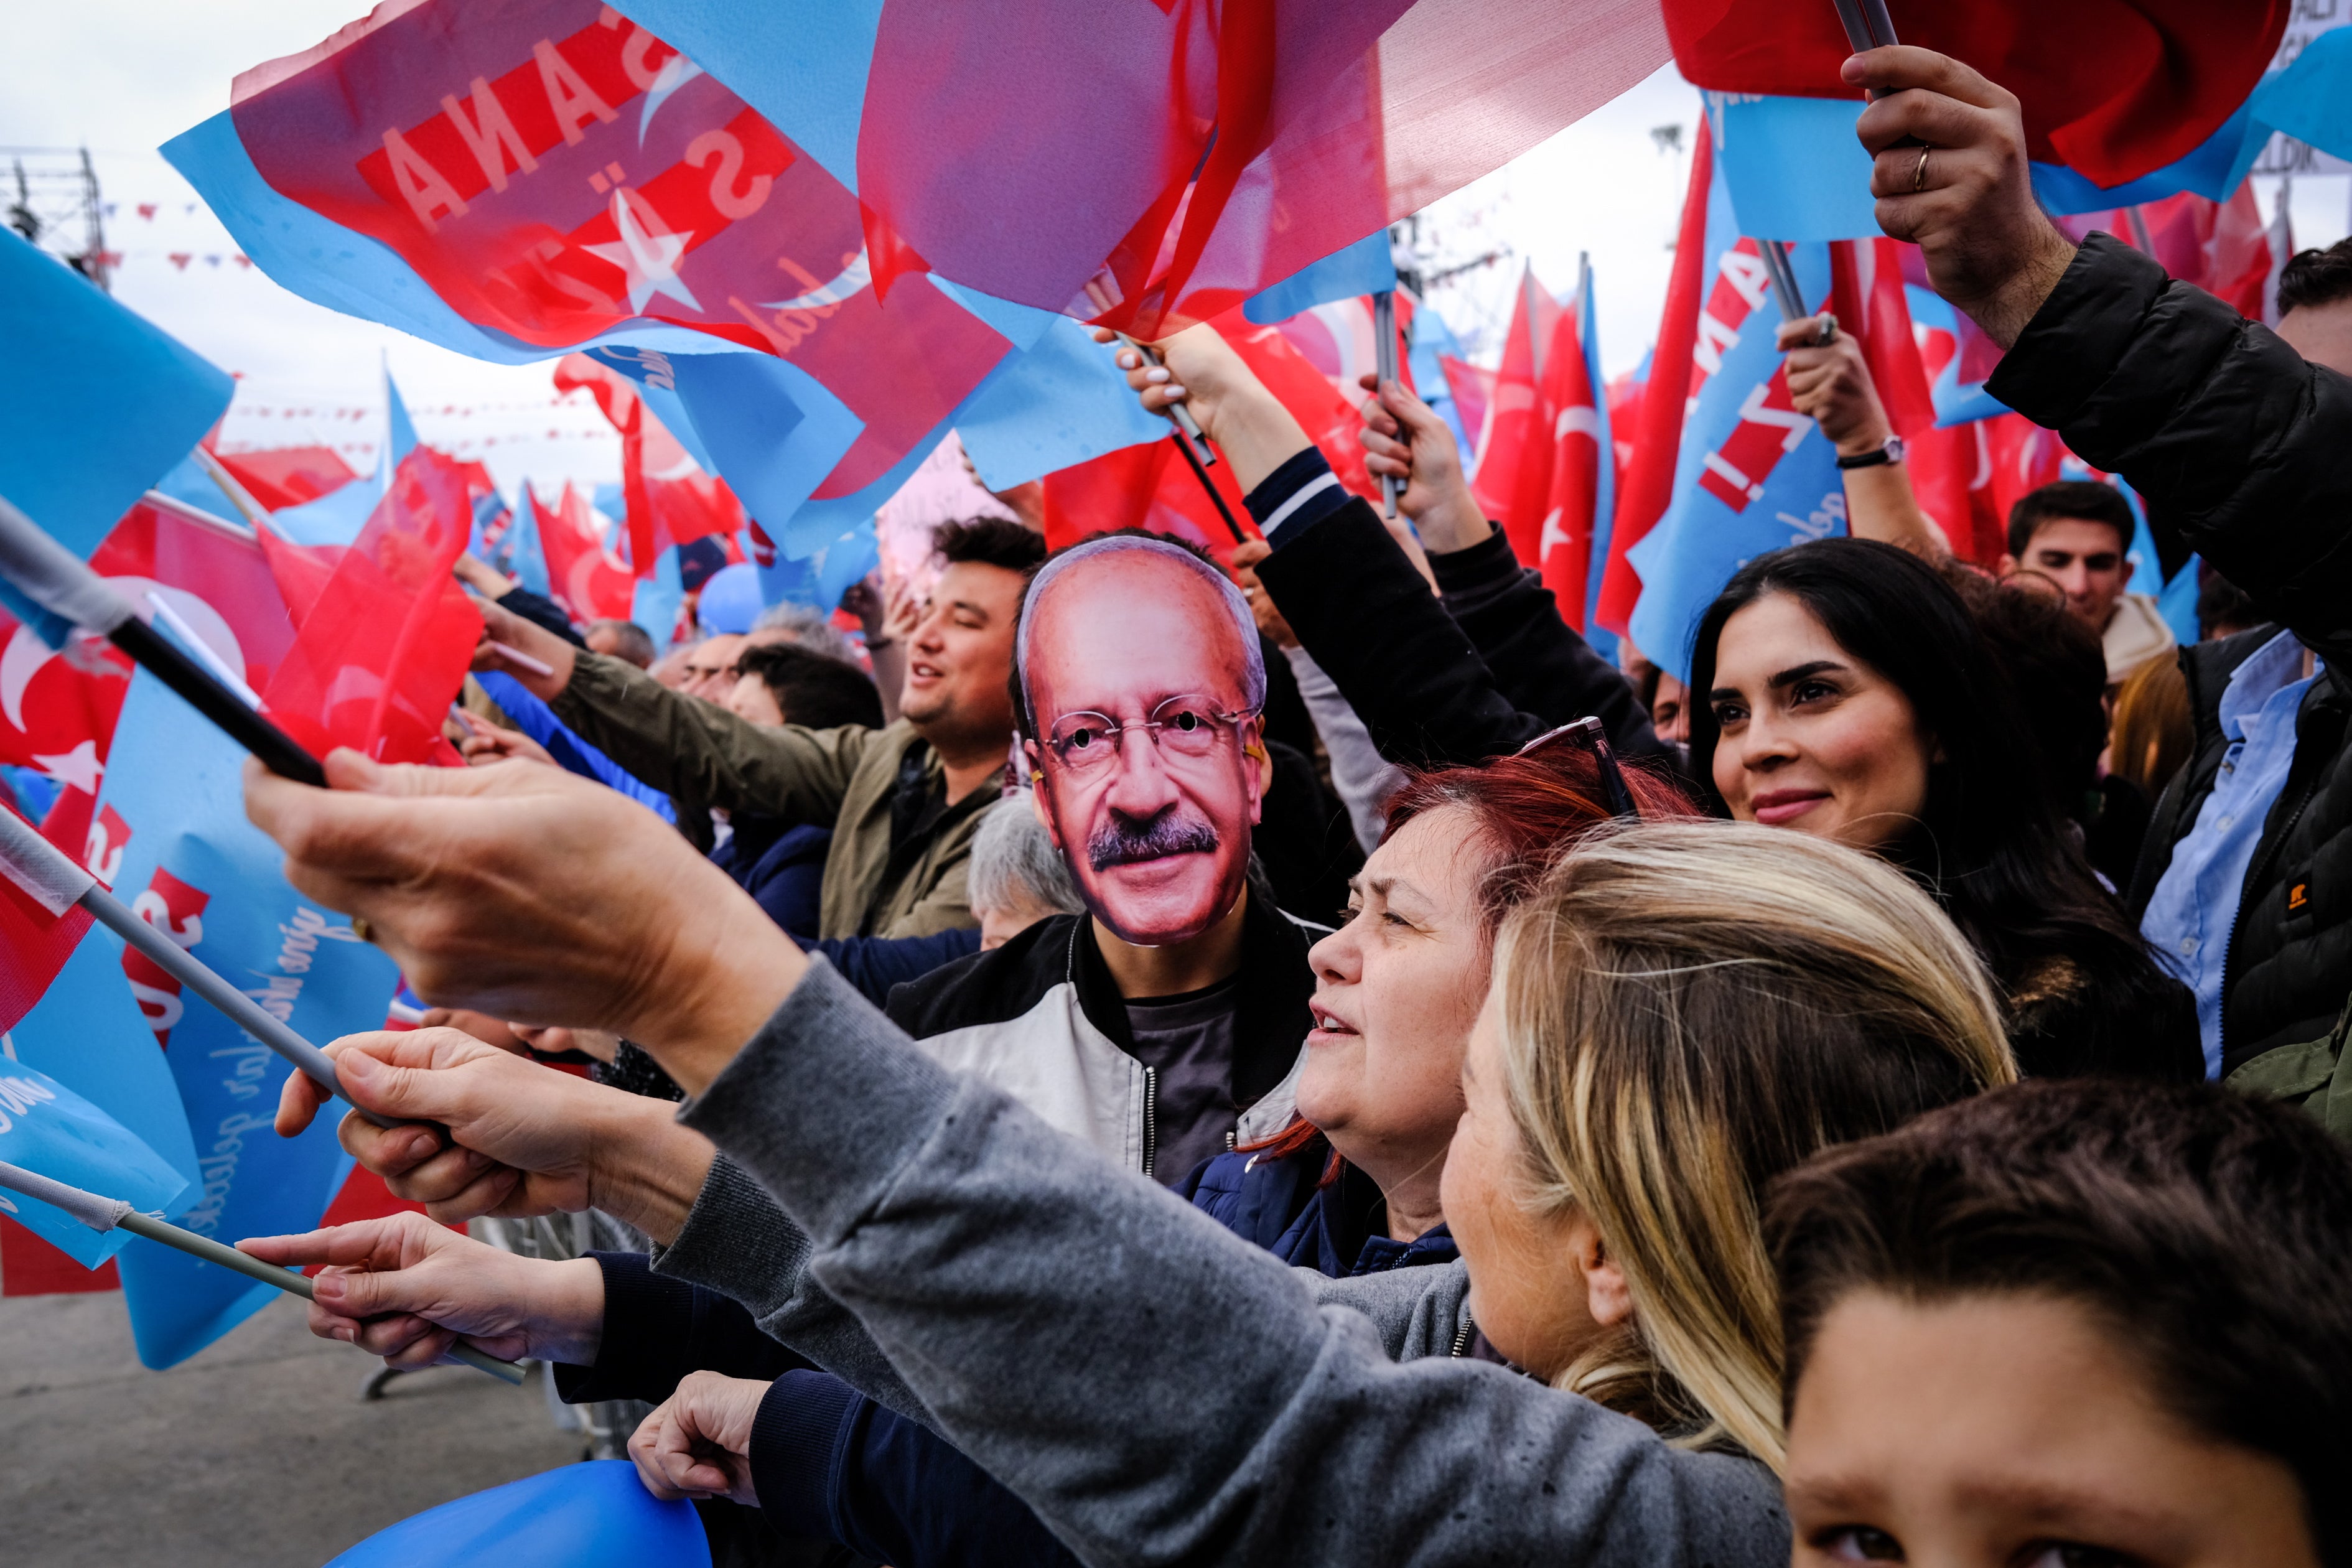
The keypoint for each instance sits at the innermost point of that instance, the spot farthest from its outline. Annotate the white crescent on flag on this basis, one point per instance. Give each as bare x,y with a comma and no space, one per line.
848,282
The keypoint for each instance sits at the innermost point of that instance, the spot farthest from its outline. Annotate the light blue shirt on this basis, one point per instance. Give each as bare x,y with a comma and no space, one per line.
2195,908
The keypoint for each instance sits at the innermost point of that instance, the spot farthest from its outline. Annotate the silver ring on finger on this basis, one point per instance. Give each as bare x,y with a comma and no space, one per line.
1919,177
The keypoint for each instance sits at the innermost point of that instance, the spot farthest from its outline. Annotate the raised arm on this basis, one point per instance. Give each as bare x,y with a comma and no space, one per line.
1831,382
1347,587
1156,1388
696,752
2234,440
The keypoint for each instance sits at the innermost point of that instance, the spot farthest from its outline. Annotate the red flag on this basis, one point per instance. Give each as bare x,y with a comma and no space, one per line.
2113,89
1866,295
1160,163
1473,386
1150,486
1514,480
382,652
1649,478
2221,246
671,500
35,942
584,575
1564,548
57,708
287,476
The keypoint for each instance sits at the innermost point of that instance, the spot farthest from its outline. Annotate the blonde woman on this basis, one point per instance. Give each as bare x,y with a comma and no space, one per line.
1682,1011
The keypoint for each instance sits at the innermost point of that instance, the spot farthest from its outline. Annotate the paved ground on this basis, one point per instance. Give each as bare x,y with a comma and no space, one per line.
256,1454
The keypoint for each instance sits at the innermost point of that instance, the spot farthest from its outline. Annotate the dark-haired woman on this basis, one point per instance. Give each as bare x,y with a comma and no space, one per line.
1842,689
1863,701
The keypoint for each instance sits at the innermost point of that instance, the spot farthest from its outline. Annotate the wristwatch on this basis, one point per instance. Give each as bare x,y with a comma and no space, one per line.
1891,451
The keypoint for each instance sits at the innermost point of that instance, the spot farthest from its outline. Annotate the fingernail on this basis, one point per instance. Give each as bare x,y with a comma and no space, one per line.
422,1145
1157,373
1174,390
358,1064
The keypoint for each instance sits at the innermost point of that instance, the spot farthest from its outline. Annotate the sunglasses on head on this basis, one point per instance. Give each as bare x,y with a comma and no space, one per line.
1588,733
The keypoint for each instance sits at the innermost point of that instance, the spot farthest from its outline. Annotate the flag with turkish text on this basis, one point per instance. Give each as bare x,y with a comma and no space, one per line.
1752,474
191,865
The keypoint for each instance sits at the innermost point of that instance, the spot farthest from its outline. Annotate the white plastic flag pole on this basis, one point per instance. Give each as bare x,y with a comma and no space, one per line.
110,1213
52,879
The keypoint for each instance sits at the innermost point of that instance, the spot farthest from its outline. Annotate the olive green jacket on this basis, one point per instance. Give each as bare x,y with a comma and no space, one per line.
705,757
2313,1074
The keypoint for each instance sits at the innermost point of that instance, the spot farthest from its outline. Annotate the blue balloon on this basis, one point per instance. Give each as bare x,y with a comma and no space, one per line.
592,1515
730,600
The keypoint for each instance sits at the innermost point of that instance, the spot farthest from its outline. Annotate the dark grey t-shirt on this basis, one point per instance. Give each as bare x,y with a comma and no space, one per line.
1188,1041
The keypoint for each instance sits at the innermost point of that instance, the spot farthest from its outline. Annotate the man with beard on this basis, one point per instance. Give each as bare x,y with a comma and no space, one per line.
1166,1022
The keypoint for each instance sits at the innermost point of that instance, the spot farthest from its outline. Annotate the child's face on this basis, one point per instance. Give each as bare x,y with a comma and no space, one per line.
2003,1431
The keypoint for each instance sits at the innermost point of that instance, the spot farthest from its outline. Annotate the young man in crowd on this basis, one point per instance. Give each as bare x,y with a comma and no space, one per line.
2071,1323
2078,533
1167,1020
784,683
901,800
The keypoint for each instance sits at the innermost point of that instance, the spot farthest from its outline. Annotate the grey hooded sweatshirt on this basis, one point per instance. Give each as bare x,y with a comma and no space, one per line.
1159,1389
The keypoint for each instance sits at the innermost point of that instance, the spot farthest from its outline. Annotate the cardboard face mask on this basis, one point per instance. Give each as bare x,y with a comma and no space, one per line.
1144,679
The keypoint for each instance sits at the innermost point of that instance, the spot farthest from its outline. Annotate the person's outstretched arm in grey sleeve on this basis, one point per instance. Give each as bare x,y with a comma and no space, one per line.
1156,1388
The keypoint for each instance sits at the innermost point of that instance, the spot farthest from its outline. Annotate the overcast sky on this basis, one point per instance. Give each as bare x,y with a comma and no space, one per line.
121,77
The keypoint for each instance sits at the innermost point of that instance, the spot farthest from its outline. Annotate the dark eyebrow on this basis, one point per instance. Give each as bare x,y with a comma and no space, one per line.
1796,672
1786,677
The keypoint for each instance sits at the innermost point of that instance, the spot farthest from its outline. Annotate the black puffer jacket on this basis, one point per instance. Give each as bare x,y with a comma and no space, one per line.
2244,451
2291,950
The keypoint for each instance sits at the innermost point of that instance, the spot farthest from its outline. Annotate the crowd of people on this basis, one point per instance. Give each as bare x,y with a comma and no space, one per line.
1311,1063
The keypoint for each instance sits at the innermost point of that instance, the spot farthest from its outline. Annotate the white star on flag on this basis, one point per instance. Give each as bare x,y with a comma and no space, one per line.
649,260
1553,533
78,769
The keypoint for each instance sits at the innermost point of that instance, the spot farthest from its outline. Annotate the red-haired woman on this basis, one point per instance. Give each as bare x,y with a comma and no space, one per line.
1350,1186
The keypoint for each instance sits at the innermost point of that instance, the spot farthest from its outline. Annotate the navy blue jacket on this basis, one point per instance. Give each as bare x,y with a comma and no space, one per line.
781,865
829,1464
878,966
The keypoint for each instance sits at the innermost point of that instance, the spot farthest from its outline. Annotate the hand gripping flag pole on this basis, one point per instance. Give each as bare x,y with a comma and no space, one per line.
1189,440
62,583
110,1213
51,879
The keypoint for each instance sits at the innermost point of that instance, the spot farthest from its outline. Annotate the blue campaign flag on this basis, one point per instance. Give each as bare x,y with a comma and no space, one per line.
190,483
1792,167
2311,100
1366,266
88,1034
1751,475
98,405
1061,402
655,601
196,868
592,1515
50,1131
526,556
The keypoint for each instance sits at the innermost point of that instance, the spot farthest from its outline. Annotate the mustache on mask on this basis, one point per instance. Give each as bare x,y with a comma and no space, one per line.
1121,841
